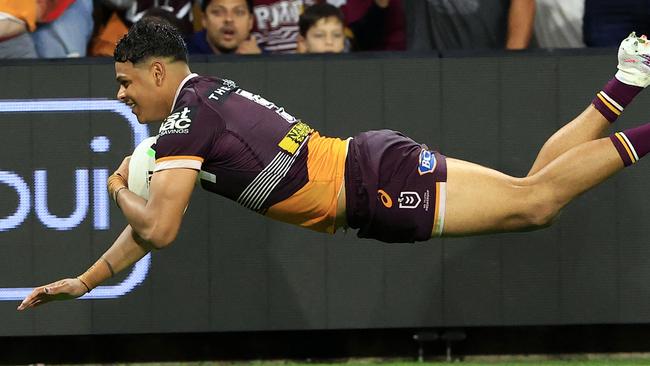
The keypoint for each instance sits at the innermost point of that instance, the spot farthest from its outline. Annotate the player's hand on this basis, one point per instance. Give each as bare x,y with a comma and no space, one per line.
119,179
65,289
123,169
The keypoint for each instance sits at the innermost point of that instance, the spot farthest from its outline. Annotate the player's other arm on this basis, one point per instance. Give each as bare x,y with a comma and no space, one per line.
158,220
127,249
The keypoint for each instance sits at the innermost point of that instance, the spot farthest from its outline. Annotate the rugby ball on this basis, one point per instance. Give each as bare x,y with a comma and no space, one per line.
141,166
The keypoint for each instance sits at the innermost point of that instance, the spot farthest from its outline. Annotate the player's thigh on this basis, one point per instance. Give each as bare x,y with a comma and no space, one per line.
482,200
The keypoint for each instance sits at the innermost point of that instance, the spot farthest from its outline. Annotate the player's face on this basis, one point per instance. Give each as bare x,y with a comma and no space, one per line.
228,23
325,36
138,90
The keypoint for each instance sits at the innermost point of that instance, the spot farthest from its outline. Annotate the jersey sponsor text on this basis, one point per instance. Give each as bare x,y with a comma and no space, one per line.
178,122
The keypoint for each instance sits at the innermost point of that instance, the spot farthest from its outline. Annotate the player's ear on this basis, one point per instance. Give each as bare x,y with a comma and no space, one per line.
158,71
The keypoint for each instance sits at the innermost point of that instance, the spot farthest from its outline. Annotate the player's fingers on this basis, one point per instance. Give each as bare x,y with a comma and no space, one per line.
32,295
40,302
42,297
34,304
23,305
39,293
125,163
27,302
28,298
123,169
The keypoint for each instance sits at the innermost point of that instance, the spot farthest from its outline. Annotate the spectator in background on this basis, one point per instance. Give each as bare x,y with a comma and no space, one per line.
276,24
130,11
109,26
322,30
558,23
228,25
65,29
375,24
17,19
469,24
182,9
113,17
605,20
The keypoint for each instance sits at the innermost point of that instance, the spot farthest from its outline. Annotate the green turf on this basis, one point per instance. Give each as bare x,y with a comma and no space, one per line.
526,362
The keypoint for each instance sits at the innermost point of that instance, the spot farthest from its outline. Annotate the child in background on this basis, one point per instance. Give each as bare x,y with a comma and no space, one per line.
322,30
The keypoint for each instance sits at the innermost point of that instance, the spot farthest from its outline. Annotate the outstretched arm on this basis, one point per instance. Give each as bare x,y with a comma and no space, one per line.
153,224
127,249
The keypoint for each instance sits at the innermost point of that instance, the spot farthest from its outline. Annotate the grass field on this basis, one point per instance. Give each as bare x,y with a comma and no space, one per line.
580,361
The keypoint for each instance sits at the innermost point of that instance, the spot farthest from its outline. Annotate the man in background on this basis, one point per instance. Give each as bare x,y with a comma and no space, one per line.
228,25
469,24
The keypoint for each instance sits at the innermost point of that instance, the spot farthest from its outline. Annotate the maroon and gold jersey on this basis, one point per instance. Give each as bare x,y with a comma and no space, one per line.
253,152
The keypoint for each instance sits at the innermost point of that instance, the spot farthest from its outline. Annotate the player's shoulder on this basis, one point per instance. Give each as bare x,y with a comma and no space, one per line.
210,91
191,109
201,94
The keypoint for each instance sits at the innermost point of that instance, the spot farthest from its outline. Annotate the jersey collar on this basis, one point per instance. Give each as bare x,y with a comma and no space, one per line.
182,84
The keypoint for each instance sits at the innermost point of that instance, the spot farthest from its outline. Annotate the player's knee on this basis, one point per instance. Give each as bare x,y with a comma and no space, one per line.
540,208
542,216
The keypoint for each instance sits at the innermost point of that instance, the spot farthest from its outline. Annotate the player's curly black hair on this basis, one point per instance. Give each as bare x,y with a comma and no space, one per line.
150,38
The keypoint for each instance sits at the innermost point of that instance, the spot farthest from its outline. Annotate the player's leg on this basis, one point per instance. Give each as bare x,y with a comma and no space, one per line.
632,77
588,126
481,200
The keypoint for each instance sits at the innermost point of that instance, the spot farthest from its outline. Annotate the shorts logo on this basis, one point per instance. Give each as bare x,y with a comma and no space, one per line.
384,198
409,200
427,162
178,122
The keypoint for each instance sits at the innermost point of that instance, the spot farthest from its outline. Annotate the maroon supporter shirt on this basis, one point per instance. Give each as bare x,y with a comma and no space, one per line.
276,24
392,36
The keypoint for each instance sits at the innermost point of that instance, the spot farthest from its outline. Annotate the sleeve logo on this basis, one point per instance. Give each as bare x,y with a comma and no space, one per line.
427,162
295,137
178,122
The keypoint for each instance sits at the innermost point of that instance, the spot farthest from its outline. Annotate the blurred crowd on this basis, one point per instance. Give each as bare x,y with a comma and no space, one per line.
79,28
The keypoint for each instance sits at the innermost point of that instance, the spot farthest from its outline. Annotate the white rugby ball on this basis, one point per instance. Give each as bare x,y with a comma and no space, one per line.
141,167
